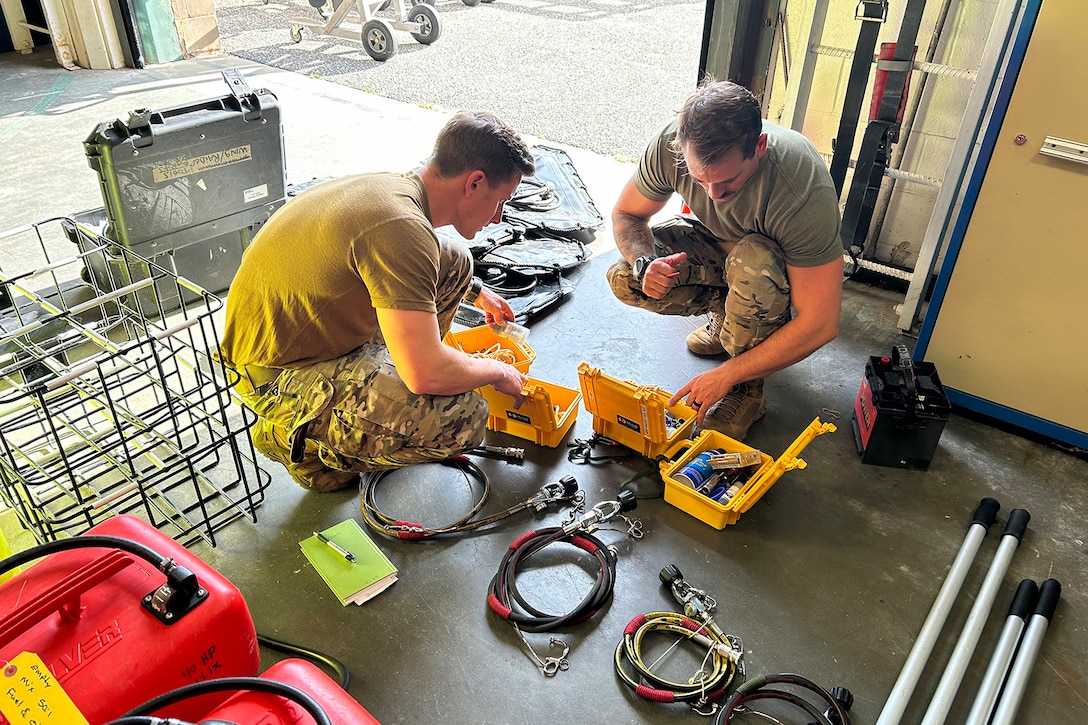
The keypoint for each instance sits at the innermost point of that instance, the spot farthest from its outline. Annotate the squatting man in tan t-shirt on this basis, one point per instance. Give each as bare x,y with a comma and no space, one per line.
759,252
335,319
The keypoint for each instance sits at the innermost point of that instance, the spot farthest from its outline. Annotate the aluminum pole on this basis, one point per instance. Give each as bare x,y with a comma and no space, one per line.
1023,602
1005,712
938,613
976,620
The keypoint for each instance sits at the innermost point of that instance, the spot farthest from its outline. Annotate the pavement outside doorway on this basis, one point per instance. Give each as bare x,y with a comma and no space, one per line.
602,75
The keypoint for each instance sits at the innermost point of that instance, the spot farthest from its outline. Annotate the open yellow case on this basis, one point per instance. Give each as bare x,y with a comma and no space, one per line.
544,416
720,514
639,417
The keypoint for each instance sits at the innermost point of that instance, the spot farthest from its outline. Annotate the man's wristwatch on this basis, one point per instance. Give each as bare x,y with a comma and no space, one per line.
474,291
639,267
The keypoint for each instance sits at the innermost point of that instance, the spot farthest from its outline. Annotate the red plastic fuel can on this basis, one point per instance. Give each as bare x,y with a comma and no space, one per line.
262,708
83,612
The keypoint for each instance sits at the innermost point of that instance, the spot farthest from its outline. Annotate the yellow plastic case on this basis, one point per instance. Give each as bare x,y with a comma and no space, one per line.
718,514
632,415
545,416
479,339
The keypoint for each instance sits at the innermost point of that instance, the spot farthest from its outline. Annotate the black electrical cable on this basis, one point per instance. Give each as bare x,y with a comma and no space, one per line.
507,602
721,655
533,194
85,542
227,684
756,689
581,450
338,667
797,701
495,258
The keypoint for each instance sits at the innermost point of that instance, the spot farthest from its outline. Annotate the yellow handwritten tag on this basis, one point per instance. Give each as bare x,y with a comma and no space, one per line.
30,695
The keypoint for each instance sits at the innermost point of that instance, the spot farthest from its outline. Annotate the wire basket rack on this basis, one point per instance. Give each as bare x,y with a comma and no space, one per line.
112,396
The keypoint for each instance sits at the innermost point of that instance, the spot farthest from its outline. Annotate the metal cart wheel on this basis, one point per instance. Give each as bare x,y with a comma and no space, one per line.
296,33
378,40
430,27
471,3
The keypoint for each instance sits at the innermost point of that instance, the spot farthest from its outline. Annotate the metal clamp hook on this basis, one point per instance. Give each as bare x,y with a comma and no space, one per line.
552,665
549,665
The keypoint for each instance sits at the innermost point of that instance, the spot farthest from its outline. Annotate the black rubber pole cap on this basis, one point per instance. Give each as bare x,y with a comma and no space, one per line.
1017,523
1027,595
986,512
1049,592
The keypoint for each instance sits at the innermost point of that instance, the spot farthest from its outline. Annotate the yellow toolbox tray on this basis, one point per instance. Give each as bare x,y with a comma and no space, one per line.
633,415
544,417
721,514
483,338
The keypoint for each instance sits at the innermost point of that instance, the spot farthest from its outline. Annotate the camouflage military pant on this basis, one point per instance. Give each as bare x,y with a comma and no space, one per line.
357,414
746,280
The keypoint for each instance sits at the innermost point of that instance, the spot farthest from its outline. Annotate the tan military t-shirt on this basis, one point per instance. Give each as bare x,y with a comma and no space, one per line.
790,199
308,286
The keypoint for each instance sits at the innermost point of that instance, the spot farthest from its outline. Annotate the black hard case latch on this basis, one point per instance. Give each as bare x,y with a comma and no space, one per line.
249,102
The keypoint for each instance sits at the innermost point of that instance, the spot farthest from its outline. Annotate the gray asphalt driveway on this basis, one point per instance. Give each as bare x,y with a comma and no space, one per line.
601,75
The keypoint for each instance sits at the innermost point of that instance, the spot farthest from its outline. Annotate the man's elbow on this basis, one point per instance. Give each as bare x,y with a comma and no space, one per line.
829,332
420,382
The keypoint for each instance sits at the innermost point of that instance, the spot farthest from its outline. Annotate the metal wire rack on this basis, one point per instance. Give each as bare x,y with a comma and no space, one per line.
112,396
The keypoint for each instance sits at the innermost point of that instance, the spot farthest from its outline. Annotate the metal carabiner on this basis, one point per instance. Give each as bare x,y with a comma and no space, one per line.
706,709
552,665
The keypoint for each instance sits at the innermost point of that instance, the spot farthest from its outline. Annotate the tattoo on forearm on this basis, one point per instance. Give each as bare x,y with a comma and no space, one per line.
633,236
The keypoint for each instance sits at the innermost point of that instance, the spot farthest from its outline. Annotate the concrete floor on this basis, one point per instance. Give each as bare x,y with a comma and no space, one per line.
830,575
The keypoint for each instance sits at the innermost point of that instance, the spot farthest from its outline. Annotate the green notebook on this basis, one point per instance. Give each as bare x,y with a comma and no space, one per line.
370,574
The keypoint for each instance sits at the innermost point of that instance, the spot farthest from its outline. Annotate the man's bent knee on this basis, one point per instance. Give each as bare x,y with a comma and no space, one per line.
621,278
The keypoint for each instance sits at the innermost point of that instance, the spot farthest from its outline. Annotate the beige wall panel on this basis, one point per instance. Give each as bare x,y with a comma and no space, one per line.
1011,328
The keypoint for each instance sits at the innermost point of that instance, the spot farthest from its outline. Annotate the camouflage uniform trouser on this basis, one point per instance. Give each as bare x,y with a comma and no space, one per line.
746,280
358,414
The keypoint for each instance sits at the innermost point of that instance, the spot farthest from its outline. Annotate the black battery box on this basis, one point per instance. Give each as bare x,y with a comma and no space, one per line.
900,412
191,172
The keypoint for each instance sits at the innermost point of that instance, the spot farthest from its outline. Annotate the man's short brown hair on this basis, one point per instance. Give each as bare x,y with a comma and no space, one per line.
480,140
716,118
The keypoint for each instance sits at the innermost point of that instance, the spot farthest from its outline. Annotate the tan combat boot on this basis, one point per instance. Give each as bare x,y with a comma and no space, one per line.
706,340
734,414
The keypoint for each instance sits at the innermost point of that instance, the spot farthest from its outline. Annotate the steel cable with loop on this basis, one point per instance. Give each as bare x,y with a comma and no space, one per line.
507,602
716,672
563,491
